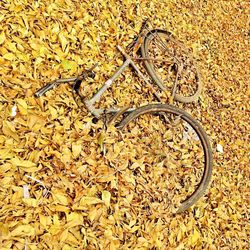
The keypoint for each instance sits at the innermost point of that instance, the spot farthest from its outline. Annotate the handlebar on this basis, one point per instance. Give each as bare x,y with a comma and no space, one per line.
51,85
44,89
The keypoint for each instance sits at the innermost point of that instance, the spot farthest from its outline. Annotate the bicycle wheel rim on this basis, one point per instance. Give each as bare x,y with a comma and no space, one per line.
154,75
207,172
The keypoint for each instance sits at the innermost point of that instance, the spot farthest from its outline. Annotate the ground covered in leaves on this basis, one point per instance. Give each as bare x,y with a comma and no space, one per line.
66,182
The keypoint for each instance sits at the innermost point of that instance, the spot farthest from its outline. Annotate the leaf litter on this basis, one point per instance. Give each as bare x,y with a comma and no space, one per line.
66,183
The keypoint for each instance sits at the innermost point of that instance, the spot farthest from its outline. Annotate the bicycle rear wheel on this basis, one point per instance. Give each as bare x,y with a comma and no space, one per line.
172,65
180,138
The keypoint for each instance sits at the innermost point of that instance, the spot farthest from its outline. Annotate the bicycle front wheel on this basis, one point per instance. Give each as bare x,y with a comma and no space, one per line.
171,66
174,150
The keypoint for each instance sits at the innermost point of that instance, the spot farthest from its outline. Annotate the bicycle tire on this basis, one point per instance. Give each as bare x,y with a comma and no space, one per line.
151,71
208,159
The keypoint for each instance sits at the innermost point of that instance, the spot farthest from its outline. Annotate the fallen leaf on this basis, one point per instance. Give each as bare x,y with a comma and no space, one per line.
23,230
27,166
106,196
2,37
90,201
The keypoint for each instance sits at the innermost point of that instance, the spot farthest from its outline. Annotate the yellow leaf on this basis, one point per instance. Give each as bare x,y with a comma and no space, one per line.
22,163
71,239
55,229
22,56
67,247
90,161
31,202
4,229
27,166
5,153
106,197
6,181
33,247
42,51
18,8
9,56
93,214
9,130
44,220
101,139
60,208
60,198
108,234
132,223
35,45
76,149
2,38
35,122
23,230
64,235
56,220
195,237
129,179
63,41
68,64
90,201
11,47
34,156
133,229
53,112
74,219
22,106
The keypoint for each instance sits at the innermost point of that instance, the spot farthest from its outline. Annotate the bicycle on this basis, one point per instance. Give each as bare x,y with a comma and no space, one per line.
145,41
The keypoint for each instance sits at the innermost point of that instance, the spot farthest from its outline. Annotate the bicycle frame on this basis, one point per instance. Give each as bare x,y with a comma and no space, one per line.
96,97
